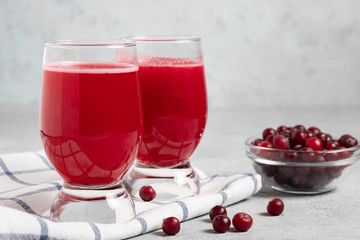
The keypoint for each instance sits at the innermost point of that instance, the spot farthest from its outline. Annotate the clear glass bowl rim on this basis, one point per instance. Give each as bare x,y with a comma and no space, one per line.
355,157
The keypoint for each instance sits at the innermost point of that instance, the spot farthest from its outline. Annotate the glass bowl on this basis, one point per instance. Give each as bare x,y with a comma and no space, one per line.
299,171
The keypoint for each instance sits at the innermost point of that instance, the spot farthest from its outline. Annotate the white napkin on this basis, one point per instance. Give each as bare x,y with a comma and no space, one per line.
28,185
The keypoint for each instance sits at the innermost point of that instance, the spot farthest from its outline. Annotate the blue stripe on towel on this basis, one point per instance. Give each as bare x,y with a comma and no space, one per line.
184,210
57,185
10,175
47,163
23,205
25,171
48,189
232,181
12,236
143,225
44,229
224,197
255,183
96,231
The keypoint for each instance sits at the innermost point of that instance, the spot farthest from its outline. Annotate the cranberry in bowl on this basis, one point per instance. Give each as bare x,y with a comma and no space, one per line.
302,160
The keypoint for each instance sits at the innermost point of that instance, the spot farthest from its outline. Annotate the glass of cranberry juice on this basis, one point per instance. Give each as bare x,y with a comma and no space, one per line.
90,125
173,89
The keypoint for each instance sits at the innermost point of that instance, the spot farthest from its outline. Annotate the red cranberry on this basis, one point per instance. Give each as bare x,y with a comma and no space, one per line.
217,210
147,193
307,155
221,223
242,221
332,145
267,132
318,159
265,153
331,156
297,147
298,181
171,225
286,172
343,154
349,142
314,130
320,178
282,142
334,172
323,137
309,134
280,179
270,138
257,142
269,170
302,170
298,137
314,143
275,207
289,156
299,127
341,139
281,128
289,129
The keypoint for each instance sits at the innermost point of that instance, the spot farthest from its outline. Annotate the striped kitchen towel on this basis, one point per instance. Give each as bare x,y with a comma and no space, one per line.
28,185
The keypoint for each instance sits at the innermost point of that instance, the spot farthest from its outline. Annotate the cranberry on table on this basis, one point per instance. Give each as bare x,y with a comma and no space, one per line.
242,221
171,226
314,143
221,223
147,193
281,142
217,210
275,207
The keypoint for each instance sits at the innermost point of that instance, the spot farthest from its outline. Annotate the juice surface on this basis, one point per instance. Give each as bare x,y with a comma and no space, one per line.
90,120
175,109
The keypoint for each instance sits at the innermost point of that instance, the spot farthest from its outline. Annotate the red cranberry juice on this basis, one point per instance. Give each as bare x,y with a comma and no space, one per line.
90,120
175,110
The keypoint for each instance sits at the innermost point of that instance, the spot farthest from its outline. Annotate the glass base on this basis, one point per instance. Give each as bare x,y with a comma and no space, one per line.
111,204
301,191
169,183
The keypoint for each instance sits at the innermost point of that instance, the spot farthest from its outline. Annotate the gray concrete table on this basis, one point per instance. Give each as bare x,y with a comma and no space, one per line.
334,215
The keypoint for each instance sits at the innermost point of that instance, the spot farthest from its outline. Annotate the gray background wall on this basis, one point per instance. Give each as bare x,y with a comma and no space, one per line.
257,53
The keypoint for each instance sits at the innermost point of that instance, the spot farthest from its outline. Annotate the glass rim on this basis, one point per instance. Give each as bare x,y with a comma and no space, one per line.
250,139
164,38
91,43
